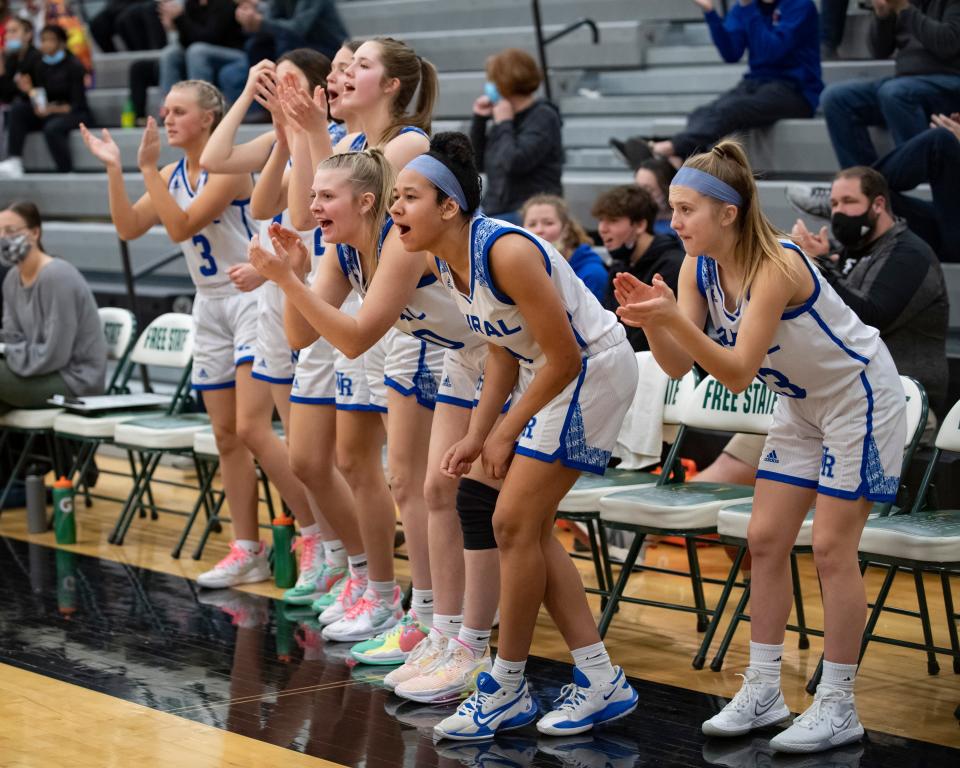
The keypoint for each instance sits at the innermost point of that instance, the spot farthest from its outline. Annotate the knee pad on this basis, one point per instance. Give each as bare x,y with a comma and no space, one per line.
475,505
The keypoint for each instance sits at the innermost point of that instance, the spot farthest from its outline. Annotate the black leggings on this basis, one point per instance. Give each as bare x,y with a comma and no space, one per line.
56,130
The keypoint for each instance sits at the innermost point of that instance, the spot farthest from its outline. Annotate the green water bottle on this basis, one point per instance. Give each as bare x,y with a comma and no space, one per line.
284,561
128,118
64,521
66,583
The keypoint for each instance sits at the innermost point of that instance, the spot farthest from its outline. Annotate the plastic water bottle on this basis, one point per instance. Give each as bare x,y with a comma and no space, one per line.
64,521
128,118
284,561
36,501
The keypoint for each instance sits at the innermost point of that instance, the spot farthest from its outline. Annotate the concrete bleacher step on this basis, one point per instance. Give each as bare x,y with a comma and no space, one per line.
375,17
111,70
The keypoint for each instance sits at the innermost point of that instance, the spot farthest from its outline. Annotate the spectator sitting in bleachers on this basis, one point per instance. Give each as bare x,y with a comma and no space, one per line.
655,175
890,278
57,105
548,217
931,157
20,57
208,38
54,343
625,219
135,22
833,21
782,81
522,152
288,24
925,35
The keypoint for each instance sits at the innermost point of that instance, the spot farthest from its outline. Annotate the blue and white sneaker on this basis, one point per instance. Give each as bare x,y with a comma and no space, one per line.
488,710
583,706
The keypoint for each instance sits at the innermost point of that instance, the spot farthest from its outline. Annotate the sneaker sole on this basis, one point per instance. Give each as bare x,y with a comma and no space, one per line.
442,696
553,731
771,718
837,740
358,637
381,662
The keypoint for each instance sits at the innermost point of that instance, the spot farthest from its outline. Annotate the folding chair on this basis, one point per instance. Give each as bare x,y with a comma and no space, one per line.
119,328
733,521
582,502
688,509
919,541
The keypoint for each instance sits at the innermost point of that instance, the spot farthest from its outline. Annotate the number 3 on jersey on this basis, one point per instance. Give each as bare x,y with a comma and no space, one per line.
209,267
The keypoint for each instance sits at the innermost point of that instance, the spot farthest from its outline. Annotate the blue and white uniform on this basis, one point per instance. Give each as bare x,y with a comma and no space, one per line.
580,425
224,317
410,357
839,424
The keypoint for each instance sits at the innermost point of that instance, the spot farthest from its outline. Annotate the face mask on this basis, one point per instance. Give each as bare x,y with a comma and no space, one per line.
491,92
623,252
56,58
12,46
13,250
851,231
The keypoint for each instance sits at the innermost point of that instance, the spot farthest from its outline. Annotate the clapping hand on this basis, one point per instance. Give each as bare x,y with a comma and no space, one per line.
705,5
306,113
644,305
105,149
245,277
951,123
817,245
149,153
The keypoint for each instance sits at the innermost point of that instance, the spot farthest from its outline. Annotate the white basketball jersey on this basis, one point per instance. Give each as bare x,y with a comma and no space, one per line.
312,238
430,316
493,315
818,348
220,244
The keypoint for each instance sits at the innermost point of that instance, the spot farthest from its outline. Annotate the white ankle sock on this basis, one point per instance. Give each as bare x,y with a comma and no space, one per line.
335,554
421,604
383,589
358,566
839,676
247,545
310,530
476,640
447,624
766,659
508,673
594,662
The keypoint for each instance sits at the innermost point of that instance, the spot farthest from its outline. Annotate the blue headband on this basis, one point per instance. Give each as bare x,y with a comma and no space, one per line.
440,176
706,184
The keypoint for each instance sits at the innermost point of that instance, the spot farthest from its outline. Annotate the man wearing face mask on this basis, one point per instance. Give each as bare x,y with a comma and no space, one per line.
20,57
889,276
626,217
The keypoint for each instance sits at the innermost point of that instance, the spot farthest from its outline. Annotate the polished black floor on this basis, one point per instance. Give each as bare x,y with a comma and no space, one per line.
238,662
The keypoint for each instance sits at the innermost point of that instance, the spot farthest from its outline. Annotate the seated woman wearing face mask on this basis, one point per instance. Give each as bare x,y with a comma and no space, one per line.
53,342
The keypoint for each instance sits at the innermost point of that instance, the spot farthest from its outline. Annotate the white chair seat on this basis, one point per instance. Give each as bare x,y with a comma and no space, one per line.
589,489
30,418
161,432
733,521
688,506
932,537
101,427
205,444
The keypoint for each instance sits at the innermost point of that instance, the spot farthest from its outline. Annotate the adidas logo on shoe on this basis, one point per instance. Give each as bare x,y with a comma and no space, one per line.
771,458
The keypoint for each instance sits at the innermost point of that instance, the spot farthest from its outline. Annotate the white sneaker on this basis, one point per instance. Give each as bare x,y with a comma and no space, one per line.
489,710
350,593
310,568
830,721
448,678
426,652
239,567
11,168
810,198
583,705
370,616
756,705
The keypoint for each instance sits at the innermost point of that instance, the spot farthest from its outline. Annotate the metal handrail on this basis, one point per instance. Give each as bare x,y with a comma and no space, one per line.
543,42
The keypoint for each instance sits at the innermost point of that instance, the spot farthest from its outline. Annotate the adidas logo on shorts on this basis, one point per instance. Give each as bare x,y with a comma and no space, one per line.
771,458
202,374
446,381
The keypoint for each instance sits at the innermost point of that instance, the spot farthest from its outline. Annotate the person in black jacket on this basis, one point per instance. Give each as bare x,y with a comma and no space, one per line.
626,217
20,57
522,152
57,105
135,22
208,39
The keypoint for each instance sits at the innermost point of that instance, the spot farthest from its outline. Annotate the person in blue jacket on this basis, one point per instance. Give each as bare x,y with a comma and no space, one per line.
548,217
783,79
